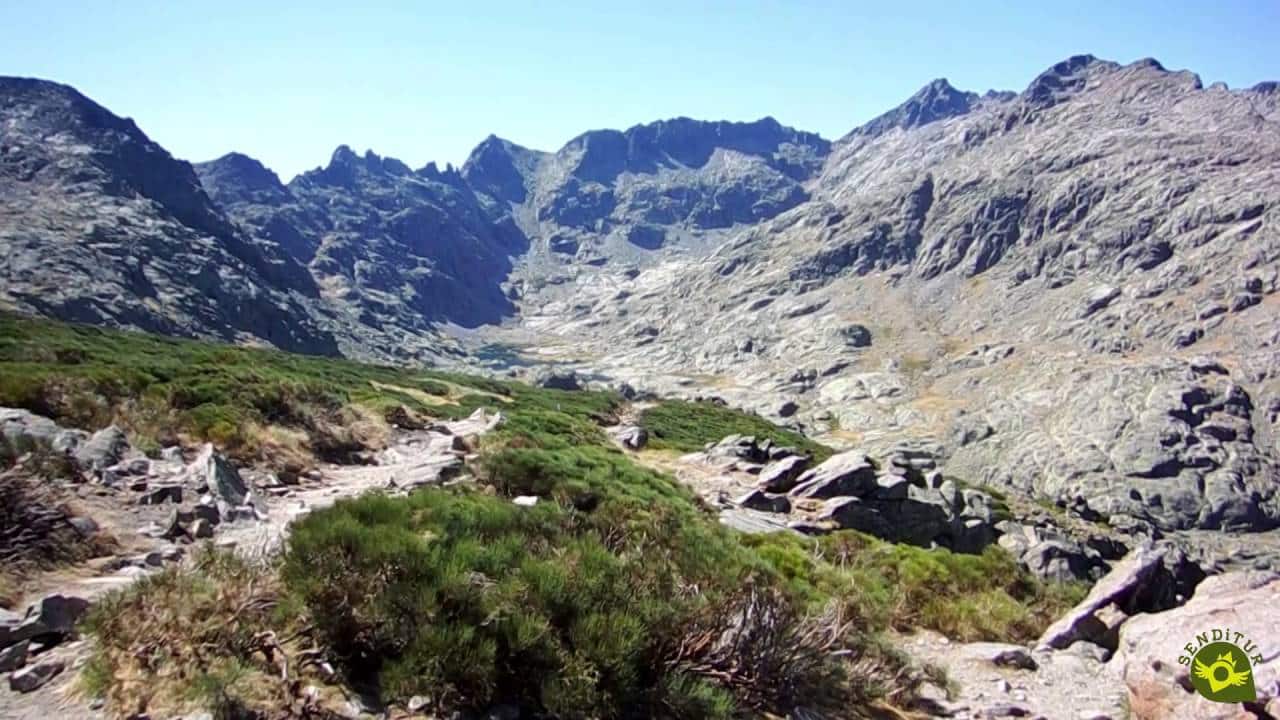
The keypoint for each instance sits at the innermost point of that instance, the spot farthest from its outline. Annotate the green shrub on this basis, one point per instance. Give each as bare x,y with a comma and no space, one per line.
689,426
966,597
472,600
601,600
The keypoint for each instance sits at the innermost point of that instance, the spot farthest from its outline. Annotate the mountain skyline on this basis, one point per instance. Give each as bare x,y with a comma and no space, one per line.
430,85
937,90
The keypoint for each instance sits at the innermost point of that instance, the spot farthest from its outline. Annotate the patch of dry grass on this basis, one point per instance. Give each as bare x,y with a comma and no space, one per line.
953,346
215,636
914,365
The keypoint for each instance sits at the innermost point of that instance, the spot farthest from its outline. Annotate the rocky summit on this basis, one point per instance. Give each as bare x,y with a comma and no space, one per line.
1038,328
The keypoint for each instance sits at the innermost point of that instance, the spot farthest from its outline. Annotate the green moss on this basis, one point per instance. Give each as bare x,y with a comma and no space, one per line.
689,426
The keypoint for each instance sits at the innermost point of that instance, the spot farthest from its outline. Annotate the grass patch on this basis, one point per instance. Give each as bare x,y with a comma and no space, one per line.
965,597
1051,507
689,426
914,365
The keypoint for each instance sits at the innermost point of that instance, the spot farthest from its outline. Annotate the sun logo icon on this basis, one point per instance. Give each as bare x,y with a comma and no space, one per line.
1221,672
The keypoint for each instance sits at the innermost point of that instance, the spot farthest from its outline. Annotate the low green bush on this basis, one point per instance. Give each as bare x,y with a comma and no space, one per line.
472,600
689,426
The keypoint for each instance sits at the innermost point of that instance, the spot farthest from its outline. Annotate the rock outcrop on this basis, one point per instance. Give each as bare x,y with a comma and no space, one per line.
845,492
1149,579
1152,648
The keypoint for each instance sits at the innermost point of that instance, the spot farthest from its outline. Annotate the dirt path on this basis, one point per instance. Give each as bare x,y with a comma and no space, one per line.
993,680
415,459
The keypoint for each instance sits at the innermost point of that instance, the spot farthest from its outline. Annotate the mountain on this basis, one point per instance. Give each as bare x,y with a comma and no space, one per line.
390,245
100,224
936,101
411,249
608,192
1068,291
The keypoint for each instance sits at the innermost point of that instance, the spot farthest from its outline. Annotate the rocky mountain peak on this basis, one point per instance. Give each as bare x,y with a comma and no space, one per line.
597,155
601,155
389,165
449,175
110,222
236,177
691,142
1149,62
345,167
48,119
501,169
938,100
1064,79
60,108
343,155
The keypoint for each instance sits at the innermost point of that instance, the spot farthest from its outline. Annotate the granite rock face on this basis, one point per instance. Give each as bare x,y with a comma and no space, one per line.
1148,658
102,225
399,246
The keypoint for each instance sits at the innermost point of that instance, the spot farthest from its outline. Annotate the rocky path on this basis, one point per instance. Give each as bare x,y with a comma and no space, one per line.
42,672
998,680
415,459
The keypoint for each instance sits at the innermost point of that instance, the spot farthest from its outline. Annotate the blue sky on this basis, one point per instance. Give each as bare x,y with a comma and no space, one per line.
287,82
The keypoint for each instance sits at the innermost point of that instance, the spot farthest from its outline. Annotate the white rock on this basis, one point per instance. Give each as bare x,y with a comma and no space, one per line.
33,677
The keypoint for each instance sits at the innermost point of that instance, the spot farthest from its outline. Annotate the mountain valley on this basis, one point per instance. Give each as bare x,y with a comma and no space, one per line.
1068,291
1037,331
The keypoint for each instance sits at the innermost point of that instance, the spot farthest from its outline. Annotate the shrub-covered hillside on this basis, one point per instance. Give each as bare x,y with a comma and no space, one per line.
255,404
616,594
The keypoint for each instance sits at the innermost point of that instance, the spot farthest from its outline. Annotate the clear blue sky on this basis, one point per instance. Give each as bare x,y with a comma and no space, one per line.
423,81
